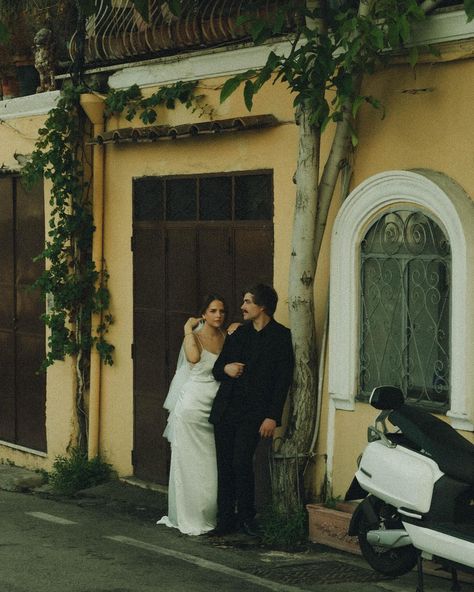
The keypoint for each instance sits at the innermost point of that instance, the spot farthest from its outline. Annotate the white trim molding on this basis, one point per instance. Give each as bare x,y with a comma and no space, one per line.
28,106
443,27
227,61
451,207
231,60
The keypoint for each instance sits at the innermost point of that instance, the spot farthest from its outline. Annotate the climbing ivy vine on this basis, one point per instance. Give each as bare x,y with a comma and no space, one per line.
74,290
71,285
132,101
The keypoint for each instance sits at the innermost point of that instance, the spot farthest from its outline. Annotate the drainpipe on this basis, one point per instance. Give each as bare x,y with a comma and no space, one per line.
93,106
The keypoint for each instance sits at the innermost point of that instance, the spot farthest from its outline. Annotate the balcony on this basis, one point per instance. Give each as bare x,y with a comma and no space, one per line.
118,33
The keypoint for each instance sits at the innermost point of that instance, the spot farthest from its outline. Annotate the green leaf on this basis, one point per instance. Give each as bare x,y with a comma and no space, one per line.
230,86
377,36
404,27
376,104
249,91
273,60
175,6
264,76
356,105
469,8
278,23
354,138
393,34
142,8
413,56
88,7
4,32
256,29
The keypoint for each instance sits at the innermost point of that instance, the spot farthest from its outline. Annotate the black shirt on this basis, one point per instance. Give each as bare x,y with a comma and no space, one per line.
250,349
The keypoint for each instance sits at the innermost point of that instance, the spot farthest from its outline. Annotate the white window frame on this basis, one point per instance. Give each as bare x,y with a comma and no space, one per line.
444,200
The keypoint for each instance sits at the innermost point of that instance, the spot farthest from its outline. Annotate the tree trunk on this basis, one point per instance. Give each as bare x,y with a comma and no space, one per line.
289,458
313,200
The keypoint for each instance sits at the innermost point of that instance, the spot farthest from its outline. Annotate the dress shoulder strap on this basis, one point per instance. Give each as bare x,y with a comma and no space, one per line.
200,342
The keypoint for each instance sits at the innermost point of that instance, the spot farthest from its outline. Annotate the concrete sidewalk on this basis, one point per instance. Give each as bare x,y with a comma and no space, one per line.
316,568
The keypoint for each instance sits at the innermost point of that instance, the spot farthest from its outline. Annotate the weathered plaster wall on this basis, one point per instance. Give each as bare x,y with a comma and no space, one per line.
273,148
428,123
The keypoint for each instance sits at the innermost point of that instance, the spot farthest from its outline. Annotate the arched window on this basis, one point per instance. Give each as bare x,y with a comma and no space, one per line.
401,293
405,269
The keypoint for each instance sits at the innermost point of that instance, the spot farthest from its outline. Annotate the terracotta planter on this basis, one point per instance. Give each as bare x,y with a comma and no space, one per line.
329,526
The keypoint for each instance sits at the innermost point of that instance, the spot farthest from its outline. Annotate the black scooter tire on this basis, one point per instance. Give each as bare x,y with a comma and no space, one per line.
389,562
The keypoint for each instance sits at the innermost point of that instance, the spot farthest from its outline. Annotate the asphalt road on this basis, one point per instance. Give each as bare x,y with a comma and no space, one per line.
46,545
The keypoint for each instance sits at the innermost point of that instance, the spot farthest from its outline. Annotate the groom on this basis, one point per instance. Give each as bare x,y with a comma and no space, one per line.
255,369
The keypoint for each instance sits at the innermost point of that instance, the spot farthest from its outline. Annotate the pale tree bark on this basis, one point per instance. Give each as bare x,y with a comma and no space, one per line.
290,456
301,282
335,162
313,200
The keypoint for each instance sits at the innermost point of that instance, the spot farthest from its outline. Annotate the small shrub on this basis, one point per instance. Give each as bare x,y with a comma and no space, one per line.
284,529
331,502
44,474
75,472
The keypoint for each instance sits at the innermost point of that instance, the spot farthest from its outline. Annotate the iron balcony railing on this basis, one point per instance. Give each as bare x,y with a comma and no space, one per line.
117,32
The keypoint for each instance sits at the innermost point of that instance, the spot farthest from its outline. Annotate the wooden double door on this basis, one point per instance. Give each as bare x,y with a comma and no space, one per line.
22,332
176,263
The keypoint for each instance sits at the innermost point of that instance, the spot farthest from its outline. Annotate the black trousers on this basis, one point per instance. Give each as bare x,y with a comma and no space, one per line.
235,446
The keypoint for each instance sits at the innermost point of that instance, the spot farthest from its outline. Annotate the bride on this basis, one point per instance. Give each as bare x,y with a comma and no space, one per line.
192,491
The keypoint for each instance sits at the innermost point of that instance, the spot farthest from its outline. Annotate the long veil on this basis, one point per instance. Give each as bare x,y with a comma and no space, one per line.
183,370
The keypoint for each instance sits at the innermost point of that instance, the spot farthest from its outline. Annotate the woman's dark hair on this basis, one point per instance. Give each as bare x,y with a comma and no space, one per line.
208,299
265,296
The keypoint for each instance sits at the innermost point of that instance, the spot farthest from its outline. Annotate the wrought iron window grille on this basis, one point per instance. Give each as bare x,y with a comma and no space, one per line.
405,308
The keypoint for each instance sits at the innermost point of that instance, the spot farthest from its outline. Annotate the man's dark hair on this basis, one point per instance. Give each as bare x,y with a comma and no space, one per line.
265,296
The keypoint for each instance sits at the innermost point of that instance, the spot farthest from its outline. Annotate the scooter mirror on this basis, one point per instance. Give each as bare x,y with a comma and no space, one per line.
386,397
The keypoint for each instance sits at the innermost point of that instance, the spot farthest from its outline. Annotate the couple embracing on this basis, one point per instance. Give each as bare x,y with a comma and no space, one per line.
227,393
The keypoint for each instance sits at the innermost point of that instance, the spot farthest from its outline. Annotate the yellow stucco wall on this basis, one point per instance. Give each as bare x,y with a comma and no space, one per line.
428,124
273,148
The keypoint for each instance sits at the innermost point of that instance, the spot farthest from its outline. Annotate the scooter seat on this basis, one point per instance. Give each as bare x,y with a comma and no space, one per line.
438,440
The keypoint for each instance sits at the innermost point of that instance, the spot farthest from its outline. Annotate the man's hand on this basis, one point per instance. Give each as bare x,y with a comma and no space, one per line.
234,369
267,428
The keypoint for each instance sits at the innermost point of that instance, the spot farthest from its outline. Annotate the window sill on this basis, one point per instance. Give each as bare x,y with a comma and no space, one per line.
443,27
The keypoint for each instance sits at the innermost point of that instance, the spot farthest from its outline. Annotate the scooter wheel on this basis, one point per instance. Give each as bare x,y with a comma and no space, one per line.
389,562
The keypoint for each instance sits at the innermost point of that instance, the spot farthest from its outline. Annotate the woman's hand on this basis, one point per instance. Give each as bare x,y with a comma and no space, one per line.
232,327
191,324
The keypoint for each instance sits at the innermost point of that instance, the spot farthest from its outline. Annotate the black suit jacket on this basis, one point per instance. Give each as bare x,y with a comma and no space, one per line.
269,373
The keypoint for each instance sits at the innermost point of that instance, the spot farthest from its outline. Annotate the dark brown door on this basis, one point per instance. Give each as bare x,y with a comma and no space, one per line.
192,236
22,333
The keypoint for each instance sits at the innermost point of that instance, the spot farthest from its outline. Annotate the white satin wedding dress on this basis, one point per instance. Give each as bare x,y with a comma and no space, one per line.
192,490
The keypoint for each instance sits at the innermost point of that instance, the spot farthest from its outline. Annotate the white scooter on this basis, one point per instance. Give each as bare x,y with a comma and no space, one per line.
418,485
